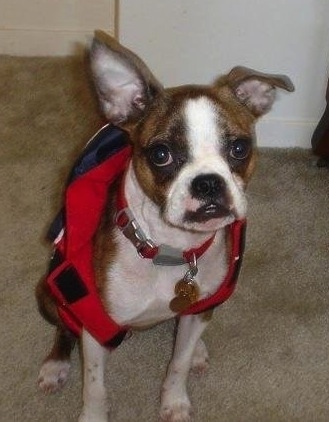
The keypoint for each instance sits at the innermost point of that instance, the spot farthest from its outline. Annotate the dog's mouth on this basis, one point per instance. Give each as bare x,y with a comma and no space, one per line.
210,211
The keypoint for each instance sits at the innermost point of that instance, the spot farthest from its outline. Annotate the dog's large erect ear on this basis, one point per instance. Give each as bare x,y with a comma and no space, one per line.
124,83
256,90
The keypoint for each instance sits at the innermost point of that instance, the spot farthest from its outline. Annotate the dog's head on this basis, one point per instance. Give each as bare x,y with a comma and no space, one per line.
193,146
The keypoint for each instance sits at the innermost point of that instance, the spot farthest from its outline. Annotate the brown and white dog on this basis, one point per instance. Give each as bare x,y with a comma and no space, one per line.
193,152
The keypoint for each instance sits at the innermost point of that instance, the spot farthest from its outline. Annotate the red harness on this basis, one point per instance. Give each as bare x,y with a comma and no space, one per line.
71,274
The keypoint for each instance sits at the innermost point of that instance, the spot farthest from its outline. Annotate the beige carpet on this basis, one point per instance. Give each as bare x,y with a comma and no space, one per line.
269,345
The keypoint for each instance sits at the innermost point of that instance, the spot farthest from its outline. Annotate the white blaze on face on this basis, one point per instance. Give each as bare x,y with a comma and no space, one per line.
202,124
205,138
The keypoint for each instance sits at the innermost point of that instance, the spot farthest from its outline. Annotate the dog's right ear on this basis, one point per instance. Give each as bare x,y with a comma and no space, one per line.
124,83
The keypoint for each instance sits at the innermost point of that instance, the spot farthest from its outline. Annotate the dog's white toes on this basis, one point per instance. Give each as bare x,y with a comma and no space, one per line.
177,412
53,375
200,359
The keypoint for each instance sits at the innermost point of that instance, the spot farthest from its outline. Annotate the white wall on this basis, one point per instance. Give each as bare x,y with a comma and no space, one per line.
51,27
194,40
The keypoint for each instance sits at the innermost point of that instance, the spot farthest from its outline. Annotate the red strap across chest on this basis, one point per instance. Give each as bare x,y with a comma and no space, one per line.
226,288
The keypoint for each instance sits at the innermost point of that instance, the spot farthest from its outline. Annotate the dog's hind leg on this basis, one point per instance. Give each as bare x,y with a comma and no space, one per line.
55,368
175,404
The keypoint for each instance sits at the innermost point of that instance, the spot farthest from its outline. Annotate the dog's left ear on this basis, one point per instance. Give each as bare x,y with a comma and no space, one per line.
256,90
124,83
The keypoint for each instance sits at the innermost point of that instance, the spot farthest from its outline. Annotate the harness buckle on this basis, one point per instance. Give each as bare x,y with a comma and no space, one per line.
132,231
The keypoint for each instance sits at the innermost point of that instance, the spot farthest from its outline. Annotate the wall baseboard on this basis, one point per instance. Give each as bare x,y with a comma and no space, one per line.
280,133
29,42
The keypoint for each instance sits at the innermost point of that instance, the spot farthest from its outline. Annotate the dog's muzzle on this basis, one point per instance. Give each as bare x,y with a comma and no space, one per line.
211,190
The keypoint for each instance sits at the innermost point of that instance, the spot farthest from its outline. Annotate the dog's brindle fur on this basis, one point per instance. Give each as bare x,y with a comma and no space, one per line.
197,130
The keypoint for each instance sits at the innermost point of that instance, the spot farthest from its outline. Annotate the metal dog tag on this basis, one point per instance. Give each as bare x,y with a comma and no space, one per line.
186,290
179,303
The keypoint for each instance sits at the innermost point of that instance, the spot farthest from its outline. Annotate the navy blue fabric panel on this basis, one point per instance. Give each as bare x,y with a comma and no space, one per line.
106,143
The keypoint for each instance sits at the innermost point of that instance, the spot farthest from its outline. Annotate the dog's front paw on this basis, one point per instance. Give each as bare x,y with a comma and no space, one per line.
176,410
53,375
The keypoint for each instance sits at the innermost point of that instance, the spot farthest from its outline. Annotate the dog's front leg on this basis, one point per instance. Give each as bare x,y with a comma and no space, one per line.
94,394
175,404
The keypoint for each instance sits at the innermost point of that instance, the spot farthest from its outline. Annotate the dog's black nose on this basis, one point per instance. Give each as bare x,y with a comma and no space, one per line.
207,186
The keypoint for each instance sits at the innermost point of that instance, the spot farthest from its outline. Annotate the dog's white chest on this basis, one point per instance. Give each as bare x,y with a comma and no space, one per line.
138,293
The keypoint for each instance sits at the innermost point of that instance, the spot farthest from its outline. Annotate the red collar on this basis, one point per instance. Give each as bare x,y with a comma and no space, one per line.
160,254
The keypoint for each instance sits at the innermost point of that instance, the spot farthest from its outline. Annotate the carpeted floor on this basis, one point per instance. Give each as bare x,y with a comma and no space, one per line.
269,345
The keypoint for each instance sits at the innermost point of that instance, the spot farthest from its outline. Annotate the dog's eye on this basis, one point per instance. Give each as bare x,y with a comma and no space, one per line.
240,148
160,155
